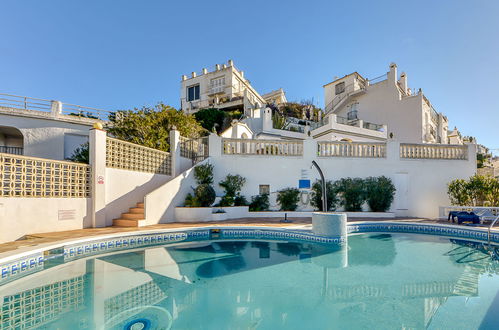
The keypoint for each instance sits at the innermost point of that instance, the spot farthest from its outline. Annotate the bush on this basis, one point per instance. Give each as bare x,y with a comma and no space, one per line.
204,195
379,193
352,193
288,199
259,203
240,200
232,186
204,174
476,191
316,198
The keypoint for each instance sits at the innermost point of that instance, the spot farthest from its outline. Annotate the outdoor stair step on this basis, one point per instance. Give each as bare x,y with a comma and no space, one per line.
128,222
138,210
132,216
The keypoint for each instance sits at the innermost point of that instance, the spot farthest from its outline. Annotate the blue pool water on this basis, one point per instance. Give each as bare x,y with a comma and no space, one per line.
377,281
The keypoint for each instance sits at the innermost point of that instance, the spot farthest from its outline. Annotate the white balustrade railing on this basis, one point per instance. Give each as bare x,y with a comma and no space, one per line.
433,151
262,147
133,157
38,177
351,149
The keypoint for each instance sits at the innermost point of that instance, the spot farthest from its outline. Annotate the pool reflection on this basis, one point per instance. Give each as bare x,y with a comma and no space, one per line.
257,284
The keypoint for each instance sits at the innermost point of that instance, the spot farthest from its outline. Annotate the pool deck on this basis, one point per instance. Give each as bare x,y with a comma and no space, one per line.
35,240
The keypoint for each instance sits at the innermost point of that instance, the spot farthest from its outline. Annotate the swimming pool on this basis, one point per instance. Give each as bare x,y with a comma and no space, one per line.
376,280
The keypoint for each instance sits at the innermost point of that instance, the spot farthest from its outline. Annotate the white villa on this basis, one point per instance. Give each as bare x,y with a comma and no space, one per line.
370,128
356,109
225,88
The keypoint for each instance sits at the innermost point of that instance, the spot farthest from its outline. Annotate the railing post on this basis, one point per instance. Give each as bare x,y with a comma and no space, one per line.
97,151
175,152
56,108
214,145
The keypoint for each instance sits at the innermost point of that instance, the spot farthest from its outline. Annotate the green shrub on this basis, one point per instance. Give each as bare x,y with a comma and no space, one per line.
259,203
316,198
288,199
204,195
352,193
458,192
204,174
476,191
240,200
232,186
379,193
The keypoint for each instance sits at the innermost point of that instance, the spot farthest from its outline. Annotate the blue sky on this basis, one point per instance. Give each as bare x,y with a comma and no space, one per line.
125,54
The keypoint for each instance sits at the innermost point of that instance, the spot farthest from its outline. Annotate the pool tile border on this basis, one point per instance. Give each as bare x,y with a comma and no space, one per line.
14,268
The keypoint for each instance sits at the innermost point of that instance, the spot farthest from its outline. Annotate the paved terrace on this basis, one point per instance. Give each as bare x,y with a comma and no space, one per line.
32,241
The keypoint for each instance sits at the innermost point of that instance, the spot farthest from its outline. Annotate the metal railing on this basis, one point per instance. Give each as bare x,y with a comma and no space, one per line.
37,177
262,147
490,228
87,112
351,149
195,149
25,102
12,150
133,157
433,151
55,107
358,85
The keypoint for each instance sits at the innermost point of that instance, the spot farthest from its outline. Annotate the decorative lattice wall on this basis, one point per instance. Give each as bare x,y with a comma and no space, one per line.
35,307
133,157
22,176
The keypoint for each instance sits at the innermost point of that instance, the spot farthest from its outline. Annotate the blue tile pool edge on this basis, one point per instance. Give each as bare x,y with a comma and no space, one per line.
16,266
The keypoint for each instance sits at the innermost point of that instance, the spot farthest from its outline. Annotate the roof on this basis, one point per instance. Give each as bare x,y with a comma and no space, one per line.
348,75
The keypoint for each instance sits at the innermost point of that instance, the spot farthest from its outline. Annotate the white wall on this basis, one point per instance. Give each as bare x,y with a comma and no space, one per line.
44,138
25,216
160,204
125,188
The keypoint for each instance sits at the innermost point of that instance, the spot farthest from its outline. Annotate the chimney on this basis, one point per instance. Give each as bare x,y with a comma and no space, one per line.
224,66
193,74
184,77
241,73
403,81
231,62
217,67
392,75
205,70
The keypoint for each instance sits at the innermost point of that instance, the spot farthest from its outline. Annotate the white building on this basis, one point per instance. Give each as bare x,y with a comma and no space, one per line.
225,88
409,115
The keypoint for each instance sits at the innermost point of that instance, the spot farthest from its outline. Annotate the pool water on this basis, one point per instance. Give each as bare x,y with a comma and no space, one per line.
377,281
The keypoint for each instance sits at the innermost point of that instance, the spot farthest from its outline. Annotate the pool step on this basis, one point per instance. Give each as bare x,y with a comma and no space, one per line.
128,223
133,218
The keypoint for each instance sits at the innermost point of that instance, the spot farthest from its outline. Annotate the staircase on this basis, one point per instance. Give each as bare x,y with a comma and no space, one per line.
133,218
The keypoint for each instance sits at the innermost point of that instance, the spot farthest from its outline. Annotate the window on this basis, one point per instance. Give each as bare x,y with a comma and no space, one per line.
193,93
339,88
264,189
217,85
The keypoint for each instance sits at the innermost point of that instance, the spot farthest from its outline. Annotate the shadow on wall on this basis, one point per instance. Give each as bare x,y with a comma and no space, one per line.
160,204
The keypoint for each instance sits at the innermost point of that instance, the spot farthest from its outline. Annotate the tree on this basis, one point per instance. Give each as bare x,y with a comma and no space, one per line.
81,154
478,190
150,127
288,199
214,119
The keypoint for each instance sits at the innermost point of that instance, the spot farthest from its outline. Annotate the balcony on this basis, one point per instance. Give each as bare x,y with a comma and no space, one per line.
350,126
11,150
